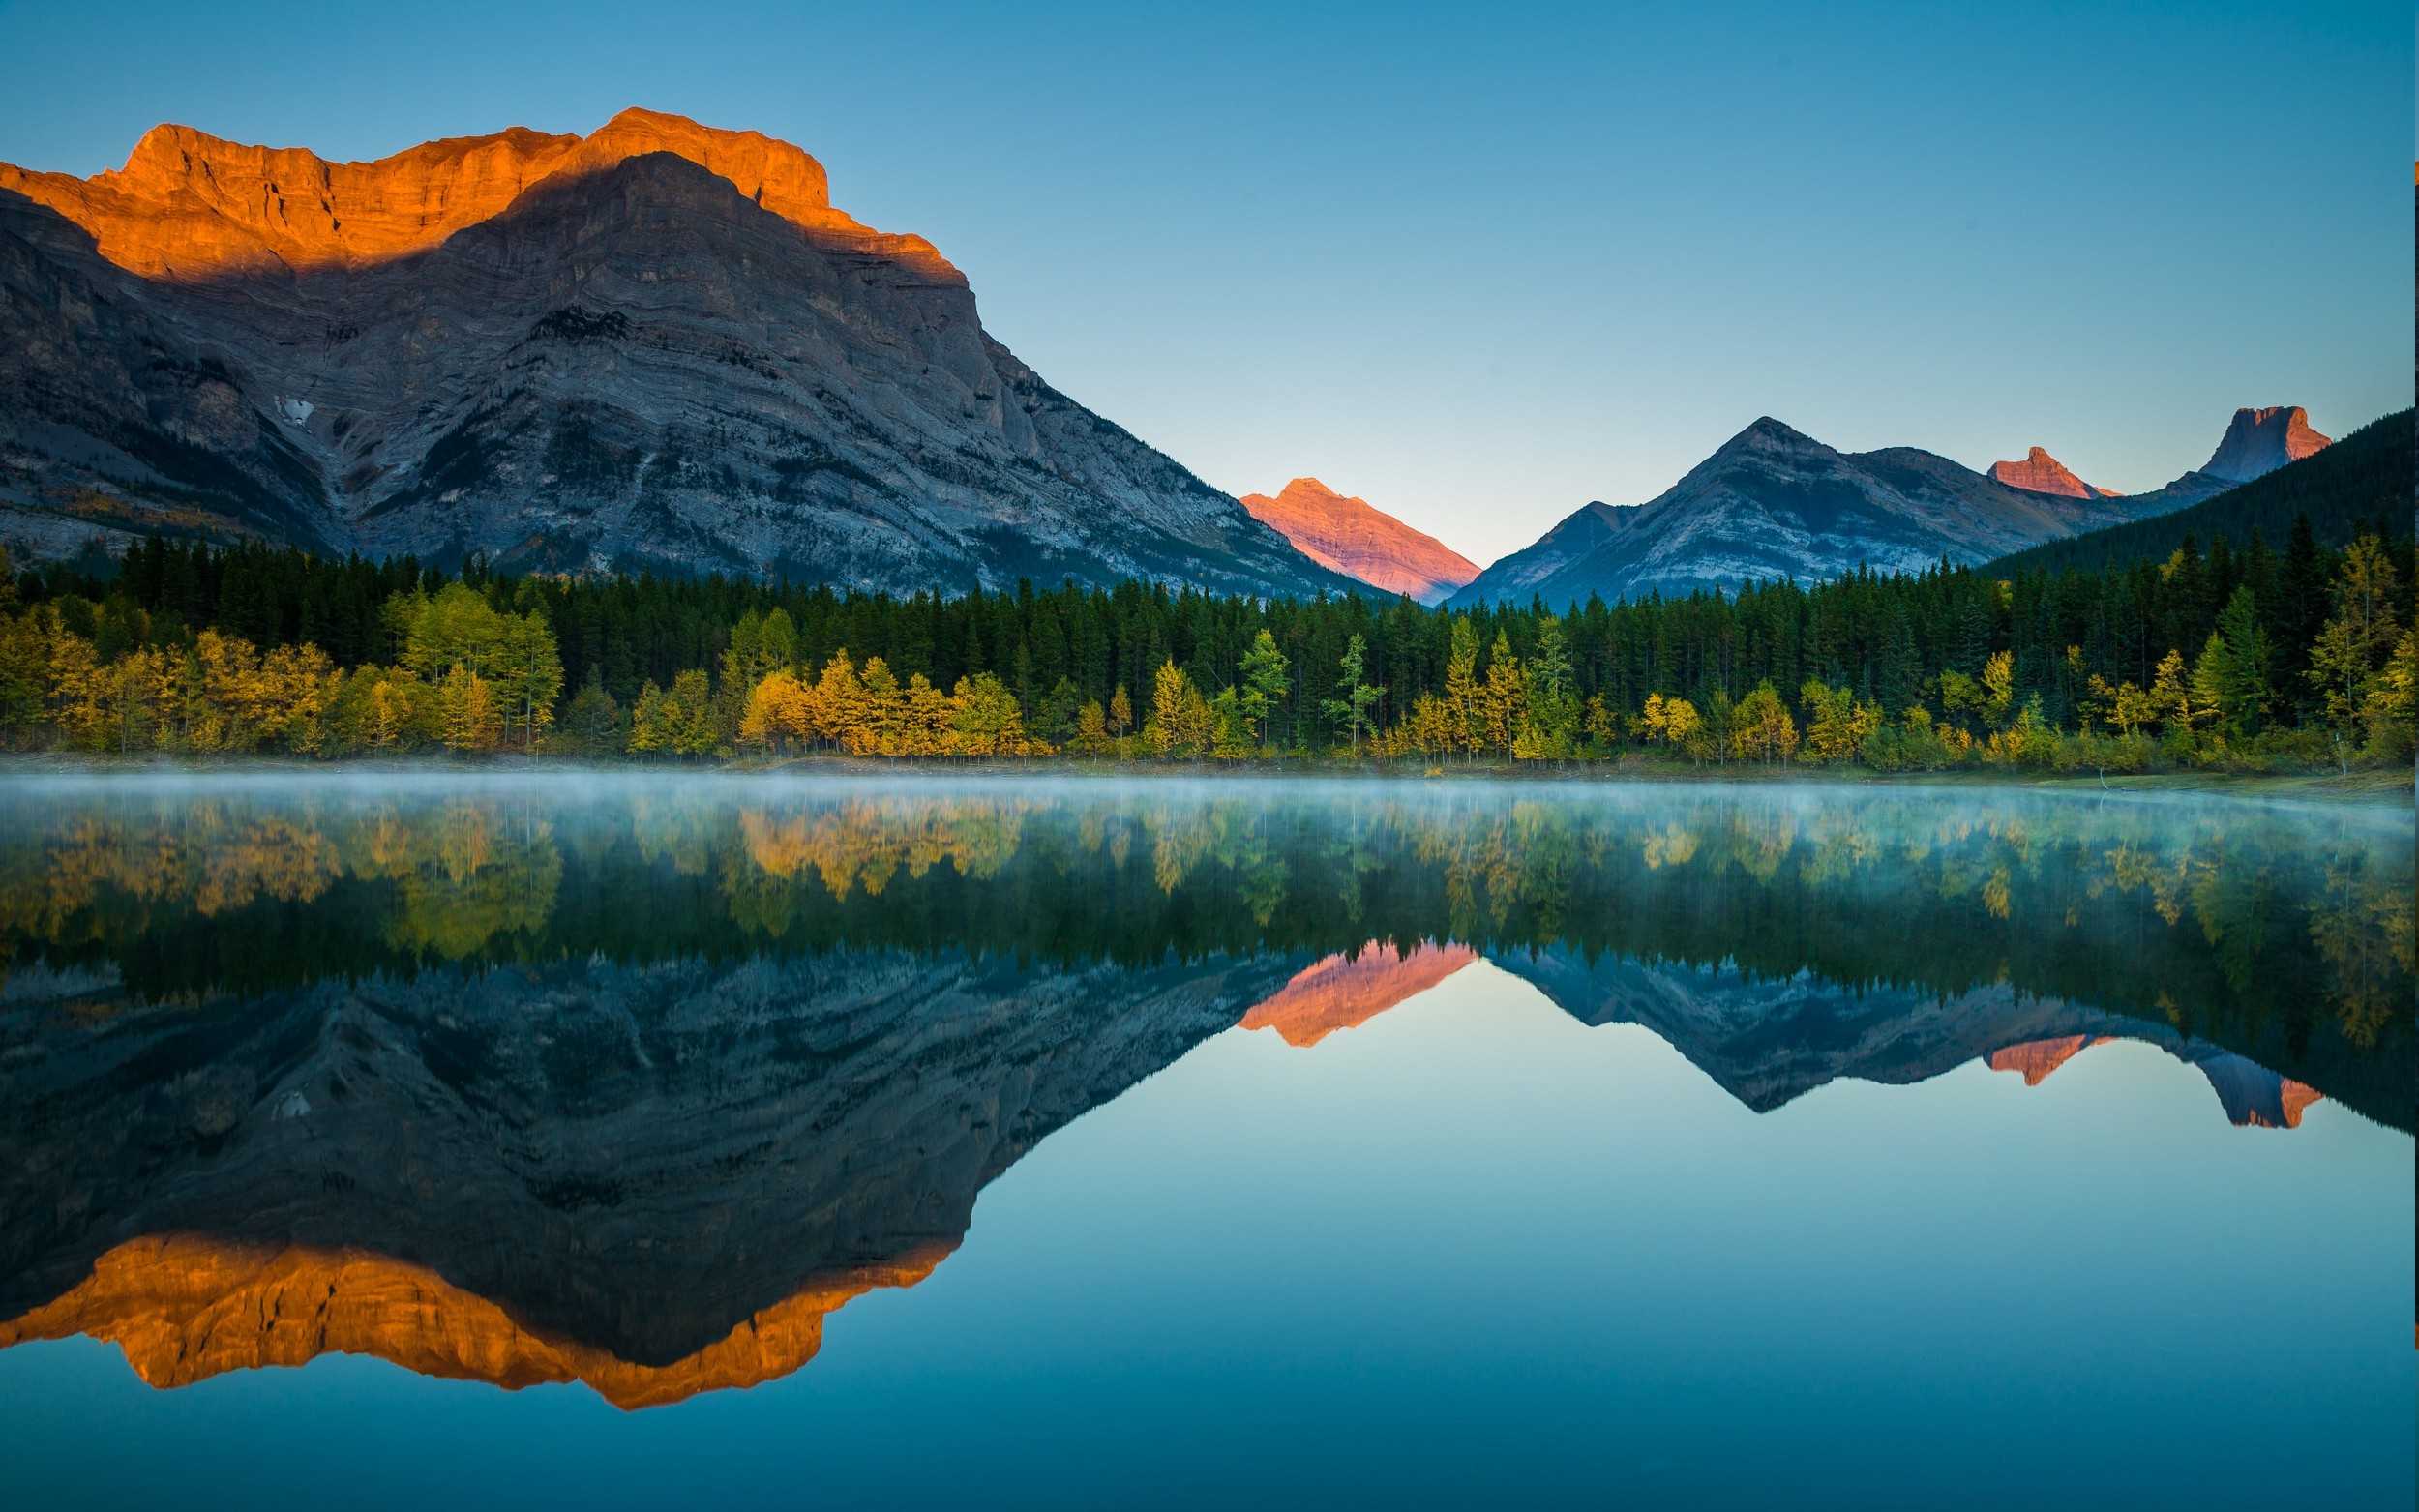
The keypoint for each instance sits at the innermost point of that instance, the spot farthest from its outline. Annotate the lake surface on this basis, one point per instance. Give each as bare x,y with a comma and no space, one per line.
398,1139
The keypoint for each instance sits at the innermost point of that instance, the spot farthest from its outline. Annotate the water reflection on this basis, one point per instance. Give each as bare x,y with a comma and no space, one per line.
634,1083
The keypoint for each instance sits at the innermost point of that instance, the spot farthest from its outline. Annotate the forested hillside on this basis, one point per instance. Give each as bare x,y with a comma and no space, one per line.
2364,477
2258,656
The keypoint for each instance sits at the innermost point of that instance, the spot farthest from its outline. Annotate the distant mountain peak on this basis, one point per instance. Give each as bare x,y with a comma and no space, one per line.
1359,539
1773,503
2259,441
2042,473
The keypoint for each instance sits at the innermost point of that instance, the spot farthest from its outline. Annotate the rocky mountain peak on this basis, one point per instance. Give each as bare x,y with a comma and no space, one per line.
1355,537
654,347
190,205
2259,441
2042,473
1768,434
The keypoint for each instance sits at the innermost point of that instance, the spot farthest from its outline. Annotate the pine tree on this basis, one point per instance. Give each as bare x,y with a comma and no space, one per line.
1353,708
1264,686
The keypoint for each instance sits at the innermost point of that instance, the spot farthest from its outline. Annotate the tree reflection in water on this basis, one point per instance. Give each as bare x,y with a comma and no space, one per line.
631,1083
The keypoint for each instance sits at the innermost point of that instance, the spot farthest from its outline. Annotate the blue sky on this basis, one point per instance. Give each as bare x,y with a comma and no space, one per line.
1478,265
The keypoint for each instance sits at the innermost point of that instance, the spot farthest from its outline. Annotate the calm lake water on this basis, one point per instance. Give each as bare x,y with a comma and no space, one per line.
385,1139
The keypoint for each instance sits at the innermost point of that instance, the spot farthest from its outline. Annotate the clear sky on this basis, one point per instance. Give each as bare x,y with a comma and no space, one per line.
1478,264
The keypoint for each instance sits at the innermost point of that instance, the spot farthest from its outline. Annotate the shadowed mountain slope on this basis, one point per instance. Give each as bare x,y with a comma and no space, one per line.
659,346
1774,503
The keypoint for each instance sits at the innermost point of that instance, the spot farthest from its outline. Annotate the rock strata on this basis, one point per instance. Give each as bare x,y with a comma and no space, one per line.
656,346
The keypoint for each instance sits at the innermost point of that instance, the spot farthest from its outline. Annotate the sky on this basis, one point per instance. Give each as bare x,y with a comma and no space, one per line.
1478,265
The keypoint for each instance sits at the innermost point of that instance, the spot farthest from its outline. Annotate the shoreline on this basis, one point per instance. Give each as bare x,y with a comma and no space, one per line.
2378,786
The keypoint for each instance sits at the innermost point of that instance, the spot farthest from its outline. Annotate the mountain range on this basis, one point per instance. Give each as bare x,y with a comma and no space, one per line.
1772,502
657,346
661,348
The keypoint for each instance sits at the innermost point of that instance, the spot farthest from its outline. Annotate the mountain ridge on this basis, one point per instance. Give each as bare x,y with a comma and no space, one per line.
2365,475
1772,503
636,364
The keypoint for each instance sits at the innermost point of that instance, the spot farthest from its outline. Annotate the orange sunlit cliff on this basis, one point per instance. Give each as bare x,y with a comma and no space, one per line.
184,1308
1361,541
2042,473
188,205
1342,993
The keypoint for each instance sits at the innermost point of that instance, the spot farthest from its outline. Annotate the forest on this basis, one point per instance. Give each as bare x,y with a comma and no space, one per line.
2242,657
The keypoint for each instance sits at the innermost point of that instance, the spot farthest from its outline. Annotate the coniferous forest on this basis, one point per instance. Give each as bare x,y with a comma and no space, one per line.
2294,655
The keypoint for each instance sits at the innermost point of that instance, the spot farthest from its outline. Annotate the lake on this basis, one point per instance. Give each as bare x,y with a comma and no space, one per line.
434,1138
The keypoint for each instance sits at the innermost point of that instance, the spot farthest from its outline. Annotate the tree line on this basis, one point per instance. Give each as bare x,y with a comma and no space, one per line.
2253,656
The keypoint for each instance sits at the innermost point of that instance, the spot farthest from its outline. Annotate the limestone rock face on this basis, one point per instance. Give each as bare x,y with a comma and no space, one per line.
655,346
1362,541
1774,503
2042,473
2259,441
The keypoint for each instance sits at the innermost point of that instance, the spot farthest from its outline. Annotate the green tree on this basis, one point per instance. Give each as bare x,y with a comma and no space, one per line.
1462,695
528,675
1264,686
1358,697
1549,722
2230,679
2360,634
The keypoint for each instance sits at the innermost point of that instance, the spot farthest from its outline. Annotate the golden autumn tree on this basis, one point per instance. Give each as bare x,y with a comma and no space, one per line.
985,719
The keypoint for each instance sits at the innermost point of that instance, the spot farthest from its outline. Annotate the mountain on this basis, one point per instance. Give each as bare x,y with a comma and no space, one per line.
2259,441
2042,473
657,346
1774,503
1362,541
1527,569
2366,476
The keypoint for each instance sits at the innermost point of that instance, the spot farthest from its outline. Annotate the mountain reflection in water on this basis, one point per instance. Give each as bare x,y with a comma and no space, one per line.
633,1084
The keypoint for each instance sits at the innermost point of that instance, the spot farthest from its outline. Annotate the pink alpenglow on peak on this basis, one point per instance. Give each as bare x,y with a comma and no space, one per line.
1360,540
2259,441
2042,473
